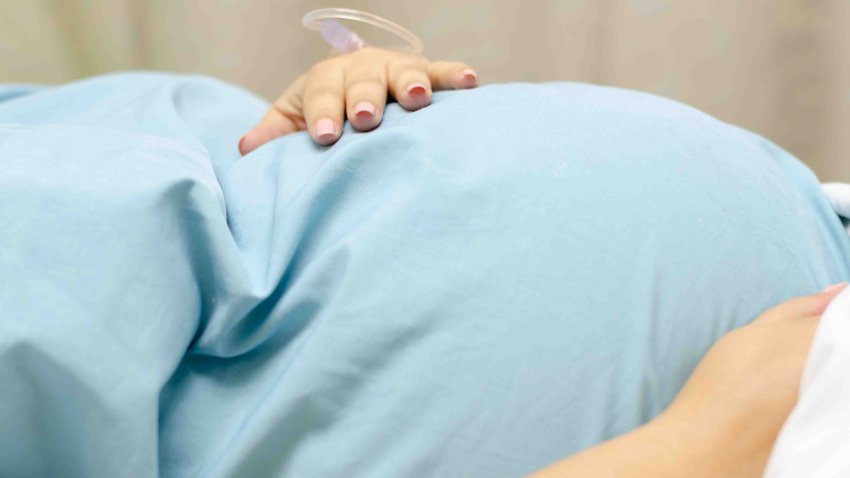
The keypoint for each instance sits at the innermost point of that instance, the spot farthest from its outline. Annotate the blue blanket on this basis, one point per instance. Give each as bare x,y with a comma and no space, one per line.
475,289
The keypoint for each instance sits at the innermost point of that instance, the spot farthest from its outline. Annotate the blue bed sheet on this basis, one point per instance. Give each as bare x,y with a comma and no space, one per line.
475,289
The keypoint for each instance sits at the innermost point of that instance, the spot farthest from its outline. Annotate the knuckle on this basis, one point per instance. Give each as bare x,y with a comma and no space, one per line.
364,77
286,105
322,94
443,66
371,51
323,66
322,112
374,95
408,63
371,56
413,77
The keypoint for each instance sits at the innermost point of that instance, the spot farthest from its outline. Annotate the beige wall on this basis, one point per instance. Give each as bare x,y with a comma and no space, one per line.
779,67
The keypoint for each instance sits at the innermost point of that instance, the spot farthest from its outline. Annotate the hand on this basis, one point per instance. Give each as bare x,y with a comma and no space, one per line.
726,418
356,85
743,390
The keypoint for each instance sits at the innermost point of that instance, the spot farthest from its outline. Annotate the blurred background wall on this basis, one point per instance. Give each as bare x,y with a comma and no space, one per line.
778,67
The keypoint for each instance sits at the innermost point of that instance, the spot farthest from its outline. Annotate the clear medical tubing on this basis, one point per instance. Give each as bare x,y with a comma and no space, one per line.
344,40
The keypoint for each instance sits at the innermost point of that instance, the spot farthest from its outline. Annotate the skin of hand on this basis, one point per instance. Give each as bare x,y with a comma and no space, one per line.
355,86
725,420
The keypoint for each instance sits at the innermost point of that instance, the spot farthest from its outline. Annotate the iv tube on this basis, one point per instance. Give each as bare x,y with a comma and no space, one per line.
344,40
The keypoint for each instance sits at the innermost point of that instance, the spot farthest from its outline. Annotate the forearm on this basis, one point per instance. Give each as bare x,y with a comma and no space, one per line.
644,452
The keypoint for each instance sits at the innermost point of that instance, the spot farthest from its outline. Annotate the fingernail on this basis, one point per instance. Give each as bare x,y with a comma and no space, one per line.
248,143
364,110
242,146
469,74
416,89
325,130
834,288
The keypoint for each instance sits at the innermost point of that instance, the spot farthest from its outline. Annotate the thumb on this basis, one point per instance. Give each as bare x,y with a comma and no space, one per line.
284,117
274,125
805,306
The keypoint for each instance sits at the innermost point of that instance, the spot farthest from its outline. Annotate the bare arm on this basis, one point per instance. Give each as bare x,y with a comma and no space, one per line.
641,453
727,416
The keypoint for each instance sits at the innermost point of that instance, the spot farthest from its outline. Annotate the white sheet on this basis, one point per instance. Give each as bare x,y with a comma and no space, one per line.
815,440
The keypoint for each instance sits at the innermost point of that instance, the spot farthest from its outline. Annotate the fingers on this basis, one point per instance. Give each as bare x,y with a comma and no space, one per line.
365,95
273,125
409,83
447,75
355,86
324,100
805,306
283,118
834,289
413,79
